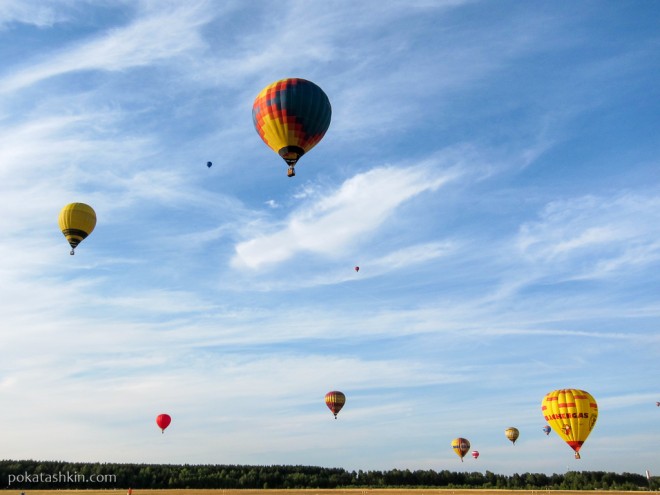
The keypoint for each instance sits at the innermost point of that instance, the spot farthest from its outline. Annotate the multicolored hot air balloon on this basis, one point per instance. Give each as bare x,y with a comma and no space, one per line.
461,446
572,414
475,454
76,221
547,429
291,116
163,421
335,400
512,434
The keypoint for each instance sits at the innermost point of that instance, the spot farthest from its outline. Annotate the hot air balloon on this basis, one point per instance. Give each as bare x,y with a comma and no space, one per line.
335,400
357,268
291,116
208,164
572,414
461,446
475,454
512,434
163,421
77,221
547,429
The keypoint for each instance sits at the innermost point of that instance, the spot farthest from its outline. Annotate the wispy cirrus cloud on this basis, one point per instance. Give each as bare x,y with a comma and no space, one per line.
159,34
594,236
330,224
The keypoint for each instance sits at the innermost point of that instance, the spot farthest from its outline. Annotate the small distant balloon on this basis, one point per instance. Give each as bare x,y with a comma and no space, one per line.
475,454
335,400
357,268
208,164
76,221
461,446
547,429
163,421
512,434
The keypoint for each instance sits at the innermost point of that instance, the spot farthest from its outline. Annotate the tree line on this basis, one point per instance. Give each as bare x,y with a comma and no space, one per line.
30,474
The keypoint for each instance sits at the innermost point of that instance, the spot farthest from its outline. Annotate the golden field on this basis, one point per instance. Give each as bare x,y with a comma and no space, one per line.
339,491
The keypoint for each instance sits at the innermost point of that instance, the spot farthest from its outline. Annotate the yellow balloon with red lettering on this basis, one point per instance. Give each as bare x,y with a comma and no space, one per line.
461,446
572,414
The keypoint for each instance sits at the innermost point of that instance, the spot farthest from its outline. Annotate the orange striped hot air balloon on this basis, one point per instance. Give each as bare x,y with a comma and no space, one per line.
335,400
572,414
291,116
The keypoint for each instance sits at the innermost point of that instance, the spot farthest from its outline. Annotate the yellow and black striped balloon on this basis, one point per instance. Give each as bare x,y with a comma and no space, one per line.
291,116
77,221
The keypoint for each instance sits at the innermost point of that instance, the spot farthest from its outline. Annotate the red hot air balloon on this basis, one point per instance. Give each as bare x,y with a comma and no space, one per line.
357,268
335,400
475,454
163,421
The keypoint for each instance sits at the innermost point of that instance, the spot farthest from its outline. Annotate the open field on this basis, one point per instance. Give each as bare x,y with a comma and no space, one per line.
393,491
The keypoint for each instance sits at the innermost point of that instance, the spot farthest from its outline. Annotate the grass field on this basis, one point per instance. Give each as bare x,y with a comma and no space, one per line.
393,491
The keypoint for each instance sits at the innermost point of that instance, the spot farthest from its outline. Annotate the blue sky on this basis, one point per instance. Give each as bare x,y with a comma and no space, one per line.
492,167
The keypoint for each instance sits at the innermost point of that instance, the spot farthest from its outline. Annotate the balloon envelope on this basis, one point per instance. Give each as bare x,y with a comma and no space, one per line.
291,116
512,434
357,268
547,429
76,221
475,454
461,446
572,414
163,421
335,400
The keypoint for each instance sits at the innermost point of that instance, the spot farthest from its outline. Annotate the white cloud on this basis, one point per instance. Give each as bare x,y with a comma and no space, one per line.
334,222
167,33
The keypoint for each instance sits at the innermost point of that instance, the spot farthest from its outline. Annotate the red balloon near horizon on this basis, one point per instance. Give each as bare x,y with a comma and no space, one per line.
475,454
357,268
163,421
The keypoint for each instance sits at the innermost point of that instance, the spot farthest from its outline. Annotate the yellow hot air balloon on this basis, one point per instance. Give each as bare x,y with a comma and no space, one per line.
461,446
572,414
512,434
77,221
